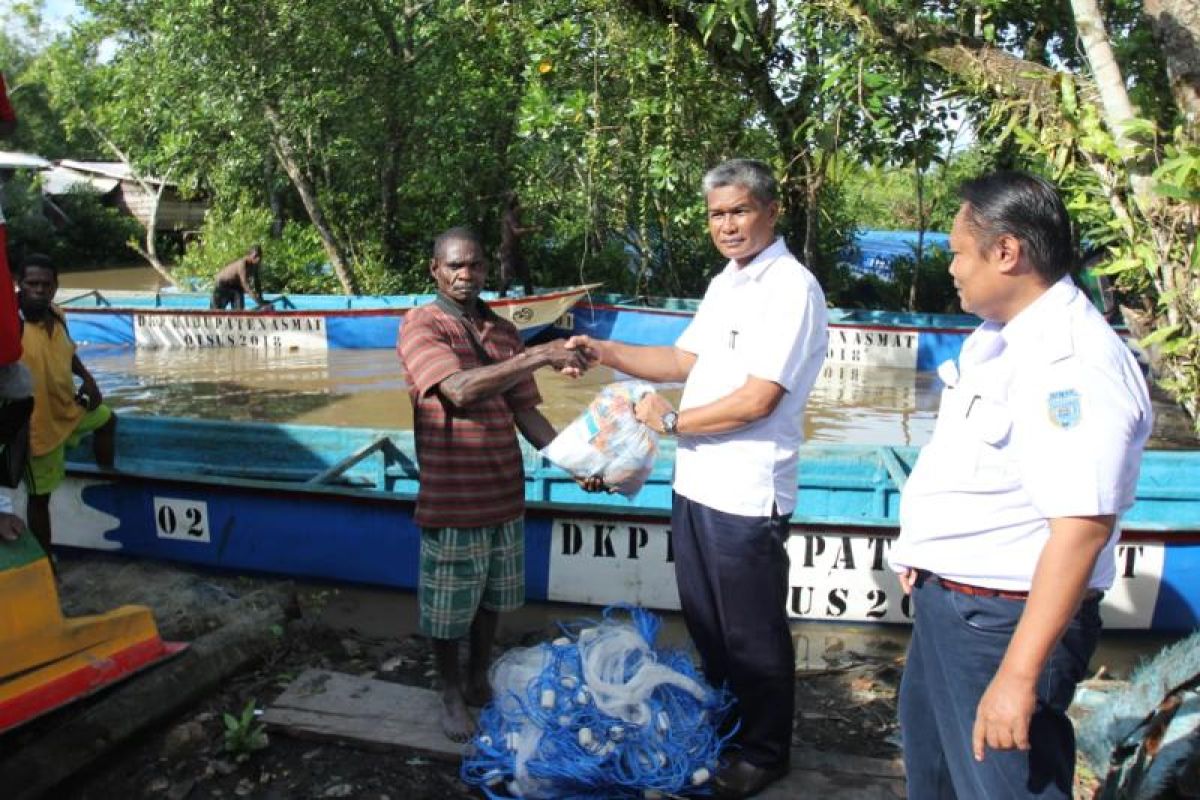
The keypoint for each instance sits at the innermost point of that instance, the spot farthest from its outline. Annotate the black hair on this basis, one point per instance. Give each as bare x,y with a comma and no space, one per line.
460,233
35,260
1028,208
256,250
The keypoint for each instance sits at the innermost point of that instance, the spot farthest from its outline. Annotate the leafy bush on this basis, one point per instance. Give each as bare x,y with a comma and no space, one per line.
291,263
86,233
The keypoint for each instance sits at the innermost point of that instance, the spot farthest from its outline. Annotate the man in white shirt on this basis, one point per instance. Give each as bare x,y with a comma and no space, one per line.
1009,519
750,357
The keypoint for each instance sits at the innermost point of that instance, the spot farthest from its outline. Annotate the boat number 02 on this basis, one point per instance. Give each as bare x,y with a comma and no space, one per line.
186,520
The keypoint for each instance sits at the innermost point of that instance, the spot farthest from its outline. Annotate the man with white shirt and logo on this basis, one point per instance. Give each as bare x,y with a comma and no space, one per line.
750,357
1009,519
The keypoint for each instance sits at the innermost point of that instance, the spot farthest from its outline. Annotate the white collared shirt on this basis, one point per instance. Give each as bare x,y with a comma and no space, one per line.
766,320
1044,417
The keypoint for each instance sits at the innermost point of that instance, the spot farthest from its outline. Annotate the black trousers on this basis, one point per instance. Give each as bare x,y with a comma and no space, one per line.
732,573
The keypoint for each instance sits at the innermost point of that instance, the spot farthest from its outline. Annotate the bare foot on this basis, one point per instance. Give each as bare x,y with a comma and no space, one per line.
456,721
478,692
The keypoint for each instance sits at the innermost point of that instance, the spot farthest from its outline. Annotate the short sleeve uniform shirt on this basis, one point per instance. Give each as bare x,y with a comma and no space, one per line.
472,471
767,320
1043,417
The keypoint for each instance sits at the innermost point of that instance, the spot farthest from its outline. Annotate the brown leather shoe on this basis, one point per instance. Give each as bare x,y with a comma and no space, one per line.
739,778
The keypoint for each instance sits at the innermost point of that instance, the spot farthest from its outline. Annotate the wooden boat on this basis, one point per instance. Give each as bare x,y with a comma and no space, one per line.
901,339
337,504
48,660
294,322
305,322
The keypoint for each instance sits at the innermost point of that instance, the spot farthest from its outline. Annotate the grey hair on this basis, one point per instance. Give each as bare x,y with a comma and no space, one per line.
754,176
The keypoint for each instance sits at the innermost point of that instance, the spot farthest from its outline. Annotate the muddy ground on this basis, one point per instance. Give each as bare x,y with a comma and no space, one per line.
845,706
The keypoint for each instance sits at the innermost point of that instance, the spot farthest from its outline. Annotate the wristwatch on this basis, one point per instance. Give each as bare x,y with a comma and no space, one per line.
670,421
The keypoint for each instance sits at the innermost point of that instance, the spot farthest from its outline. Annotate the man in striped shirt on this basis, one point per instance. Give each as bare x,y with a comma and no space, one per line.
470,379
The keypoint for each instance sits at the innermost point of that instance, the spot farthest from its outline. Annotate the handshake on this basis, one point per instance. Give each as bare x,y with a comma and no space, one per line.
572,357
576,355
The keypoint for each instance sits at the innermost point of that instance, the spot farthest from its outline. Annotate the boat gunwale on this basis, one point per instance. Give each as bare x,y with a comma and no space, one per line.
871,326
1134,531
263,310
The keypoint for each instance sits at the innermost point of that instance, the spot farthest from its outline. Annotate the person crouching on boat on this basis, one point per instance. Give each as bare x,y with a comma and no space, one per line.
62,415
470,380
237,279
1008,520
750,358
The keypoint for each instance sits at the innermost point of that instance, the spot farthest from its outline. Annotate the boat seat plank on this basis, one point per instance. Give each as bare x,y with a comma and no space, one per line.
895,469
284,474
349,461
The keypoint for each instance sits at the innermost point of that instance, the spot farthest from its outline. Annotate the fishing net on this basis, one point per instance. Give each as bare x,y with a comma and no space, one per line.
598,713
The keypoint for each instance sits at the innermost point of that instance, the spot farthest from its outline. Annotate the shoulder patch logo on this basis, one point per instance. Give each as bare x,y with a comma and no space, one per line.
1064,408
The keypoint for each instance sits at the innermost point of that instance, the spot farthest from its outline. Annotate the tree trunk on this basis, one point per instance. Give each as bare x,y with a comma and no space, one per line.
150,251
389,182
811,204
308,196
922,223
1176,27
273,198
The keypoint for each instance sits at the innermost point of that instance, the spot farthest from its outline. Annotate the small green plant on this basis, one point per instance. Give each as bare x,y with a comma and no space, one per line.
244,734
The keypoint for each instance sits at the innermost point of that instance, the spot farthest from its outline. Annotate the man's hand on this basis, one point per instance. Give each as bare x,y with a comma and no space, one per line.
592,484
90,393
1003,715
11,527
571,362
591,348
908,579
650,409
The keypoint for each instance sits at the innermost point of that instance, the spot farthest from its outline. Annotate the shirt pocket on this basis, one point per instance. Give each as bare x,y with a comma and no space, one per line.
988,428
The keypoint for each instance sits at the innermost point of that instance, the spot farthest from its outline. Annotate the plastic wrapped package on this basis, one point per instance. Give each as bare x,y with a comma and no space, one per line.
607,440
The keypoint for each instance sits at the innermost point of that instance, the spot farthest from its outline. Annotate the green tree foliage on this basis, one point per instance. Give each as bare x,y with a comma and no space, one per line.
369,125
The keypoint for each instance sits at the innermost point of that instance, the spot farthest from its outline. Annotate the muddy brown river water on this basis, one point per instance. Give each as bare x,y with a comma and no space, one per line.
365,388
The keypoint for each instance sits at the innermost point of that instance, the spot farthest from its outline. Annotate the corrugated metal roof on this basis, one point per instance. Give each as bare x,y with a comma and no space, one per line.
59,180
108,169
13,160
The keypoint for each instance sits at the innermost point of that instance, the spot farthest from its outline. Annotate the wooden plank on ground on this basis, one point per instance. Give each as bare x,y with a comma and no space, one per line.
332,705
373,713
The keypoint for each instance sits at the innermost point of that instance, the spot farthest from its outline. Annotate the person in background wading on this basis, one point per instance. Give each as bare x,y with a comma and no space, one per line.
470,379
237,279
513,266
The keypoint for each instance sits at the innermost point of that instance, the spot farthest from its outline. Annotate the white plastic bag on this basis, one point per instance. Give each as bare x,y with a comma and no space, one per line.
607,440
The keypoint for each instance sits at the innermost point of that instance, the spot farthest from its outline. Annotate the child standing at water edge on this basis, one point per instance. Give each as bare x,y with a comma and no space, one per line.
61,415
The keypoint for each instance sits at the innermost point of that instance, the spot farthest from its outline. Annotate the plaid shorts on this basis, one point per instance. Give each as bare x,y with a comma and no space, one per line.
464,569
